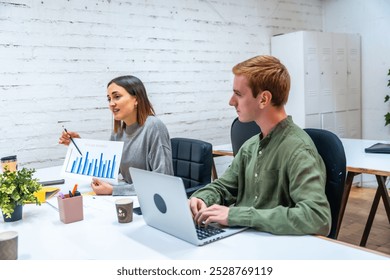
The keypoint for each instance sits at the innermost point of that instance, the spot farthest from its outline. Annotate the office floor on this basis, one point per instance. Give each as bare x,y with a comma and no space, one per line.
355,218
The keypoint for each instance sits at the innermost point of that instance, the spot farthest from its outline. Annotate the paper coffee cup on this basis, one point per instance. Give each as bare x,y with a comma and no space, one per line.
9,245
124,210
10,162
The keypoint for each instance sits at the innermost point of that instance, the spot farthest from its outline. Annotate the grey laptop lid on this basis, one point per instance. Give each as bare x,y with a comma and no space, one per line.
164,205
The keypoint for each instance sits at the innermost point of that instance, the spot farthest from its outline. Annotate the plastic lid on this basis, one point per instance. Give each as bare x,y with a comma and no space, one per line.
8,158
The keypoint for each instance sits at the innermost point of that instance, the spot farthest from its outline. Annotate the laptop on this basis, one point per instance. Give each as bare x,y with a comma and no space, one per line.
379,148
164,205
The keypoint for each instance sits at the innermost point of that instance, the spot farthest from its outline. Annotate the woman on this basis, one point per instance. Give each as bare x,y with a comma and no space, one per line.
146,139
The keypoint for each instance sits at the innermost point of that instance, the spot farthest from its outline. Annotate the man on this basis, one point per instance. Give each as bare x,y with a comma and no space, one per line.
276,182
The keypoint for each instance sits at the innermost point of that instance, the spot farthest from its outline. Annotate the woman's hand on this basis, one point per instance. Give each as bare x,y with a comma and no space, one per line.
101,187
65,137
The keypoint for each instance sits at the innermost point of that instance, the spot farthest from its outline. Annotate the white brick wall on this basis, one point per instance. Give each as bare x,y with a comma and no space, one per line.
56,58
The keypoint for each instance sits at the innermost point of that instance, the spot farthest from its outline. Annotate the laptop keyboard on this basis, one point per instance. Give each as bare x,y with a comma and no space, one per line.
204,232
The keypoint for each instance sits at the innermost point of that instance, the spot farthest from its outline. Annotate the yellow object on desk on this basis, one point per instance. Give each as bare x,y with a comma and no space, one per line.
88,193
46,193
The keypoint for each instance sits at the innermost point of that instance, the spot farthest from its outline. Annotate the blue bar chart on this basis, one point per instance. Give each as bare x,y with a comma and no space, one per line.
99,159
101,167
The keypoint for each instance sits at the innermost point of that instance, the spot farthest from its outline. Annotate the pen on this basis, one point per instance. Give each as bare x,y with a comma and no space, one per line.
74,190
71,139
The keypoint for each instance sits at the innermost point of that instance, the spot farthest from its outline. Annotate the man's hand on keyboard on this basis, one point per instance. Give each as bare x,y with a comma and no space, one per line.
215,213
196,205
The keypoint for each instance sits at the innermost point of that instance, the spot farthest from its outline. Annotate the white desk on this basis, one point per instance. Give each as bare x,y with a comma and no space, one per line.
360,162
99,236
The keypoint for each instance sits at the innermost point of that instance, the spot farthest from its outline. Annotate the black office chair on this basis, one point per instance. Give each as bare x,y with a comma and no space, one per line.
192,161
332,152
240,132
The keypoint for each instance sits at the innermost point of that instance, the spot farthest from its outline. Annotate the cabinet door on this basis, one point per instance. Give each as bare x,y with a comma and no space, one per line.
313,121
312,79
339,72
328,122
341,124
295,65
324,43
353,77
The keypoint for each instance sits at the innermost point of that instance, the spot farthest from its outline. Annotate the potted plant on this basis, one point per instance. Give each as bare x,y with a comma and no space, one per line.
387,97
16,189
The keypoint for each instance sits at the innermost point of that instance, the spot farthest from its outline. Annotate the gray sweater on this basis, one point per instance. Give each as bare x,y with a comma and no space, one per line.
145,147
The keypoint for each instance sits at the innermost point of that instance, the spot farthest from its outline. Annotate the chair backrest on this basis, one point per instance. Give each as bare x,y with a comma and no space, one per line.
332,152
240,132
192,161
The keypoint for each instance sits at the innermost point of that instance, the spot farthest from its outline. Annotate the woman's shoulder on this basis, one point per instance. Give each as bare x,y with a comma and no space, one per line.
154,122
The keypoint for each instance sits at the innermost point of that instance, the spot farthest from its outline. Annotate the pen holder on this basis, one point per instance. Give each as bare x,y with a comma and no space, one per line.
71,209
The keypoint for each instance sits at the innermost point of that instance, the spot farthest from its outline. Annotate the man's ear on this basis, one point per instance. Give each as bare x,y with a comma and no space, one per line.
265,98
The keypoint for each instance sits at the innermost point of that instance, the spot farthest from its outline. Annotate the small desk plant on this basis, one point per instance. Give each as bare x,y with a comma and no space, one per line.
16,189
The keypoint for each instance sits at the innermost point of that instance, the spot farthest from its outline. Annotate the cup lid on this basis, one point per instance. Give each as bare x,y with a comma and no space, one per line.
123,201
7,235
8,158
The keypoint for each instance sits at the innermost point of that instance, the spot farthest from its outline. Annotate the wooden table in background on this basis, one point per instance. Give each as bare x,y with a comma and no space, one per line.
360,162
219,151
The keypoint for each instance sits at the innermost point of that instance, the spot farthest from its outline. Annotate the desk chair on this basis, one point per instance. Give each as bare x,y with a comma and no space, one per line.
240,132
192,161
332,152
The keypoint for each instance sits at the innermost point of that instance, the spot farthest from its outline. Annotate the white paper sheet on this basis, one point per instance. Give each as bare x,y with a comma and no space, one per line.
98,159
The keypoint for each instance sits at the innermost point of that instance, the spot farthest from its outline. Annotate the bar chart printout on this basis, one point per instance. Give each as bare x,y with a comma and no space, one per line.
99,159
97,167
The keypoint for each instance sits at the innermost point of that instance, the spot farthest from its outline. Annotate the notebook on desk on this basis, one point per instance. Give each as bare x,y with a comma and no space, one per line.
164,205
379,148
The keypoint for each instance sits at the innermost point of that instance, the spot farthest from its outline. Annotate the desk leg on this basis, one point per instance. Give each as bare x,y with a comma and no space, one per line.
344,200
386,200
380,192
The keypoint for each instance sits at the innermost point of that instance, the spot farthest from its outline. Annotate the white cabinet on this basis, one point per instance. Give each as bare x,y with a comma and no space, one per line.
325,79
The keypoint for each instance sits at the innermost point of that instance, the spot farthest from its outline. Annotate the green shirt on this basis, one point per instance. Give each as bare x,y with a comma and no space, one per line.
276,184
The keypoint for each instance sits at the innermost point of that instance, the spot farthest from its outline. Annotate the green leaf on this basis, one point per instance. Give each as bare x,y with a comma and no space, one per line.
387,119
387,97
